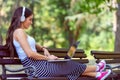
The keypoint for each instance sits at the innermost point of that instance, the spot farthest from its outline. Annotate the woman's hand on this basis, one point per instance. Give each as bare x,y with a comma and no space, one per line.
52,57
46,52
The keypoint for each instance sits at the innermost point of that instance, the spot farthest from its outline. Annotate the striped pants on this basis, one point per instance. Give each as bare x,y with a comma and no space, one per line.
72,70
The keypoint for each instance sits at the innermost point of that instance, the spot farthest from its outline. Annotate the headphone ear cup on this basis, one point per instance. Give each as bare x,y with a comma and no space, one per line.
22,19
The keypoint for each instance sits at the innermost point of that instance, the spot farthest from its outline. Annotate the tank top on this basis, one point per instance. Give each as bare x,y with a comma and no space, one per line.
21,54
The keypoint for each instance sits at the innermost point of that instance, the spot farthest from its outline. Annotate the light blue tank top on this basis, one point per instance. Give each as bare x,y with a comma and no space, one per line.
21,54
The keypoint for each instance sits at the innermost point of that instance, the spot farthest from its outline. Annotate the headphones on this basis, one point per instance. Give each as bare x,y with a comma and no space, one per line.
22,19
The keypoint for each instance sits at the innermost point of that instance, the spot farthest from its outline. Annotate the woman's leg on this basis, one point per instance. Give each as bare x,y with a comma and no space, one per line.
97,71
99,67
99,75
90,69
92,74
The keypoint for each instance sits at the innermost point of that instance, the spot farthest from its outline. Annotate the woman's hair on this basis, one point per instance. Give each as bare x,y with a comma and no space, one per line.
15,24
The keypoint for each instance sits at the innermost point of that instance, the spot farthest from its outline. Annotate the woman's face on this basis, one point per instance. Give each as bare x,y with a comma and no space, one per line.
27,22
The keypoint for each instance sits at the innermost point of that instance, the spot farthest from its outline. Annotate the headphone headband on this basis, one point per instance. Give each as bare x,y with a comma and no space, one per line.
23,15
23,12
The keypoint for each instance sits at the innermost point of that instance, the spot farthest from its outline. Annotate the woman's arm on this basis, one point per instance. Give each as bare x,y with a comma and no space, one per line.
21,37
39,48
46,52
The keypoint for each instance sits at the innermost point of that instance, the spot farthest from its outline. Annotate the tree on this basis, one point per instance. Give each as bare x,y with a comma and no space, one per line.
58,23
117,30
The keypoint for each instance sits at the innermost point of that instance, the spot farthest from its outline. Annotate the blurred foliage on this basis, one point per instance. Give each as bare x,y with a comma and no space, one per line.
49,16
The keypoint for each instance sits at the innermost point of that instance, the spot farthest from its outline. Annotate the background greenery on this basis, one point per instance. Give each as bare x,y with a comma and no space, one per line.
58,23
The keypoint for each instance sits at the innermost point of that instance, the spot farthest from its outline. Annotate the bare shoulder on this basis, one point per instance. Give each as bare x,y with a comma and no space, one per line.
19,33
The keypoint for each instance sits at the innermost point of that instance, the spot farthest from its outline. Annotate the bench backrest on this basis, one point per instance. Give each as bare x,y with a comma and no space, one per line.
109,56
79,56
5,55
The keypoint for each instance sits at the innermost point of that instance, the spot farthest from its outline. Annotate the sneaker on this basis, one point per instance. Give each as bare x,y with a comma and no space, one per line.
102,65
104,75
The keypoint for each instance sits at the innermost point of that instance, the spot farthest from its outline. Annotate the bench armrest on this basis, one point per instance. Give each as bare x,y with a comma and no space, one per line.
31,68
114,67
28,69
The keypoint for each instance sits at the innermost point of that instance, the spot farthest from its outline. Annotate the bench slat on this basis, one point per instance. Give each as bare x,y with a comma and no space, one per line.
112,61
62,55
17,61
16,75
63,50
105,55
10,61
61,78
58,52
82,61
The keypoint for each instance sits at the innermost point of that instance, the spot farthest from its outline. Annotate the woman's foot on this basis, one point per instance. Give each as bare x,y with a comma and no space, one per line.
104,75
101,65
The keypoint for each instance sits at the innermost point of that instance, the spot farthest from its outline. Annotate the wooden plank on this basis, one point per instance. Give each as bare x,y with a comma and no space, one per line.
58,52
10,61
17,61
105,55
63,50
62,53
16,75
110,61
61,78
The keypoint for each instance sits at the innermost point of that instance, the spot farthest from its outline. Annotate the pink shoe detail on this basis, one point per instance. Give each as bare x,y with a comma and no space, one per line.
102,65
104,75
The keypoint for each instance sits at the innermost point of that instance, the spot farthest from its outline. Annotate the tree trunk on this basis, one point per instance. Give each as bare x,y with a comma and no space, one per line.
70,33
117,32
0,24
1,40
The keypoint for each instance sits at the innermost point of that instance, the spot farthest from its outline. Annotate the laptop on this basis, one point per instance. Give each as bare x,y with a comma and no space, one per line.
69,54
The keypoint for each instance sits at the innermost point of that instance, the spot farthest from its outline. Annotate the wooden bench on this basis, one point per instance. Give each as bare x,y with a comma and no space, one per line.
8,73
112,59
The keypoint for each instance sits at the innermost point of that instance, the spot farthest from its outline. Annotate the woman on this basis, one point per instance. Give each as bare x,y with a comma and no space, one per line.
26,48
